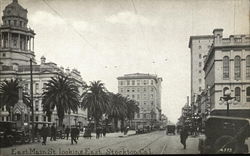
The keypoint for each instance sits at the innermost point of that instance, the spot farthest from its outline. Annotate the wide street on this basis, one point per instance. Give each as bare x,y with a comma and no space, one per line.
151,143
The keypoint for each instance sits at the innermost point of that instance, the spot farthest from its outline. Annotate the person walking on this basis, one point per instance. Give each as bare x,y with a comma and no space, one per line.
77,132
97,132
53,132
73,134
44,134
184,136
67,130
104,131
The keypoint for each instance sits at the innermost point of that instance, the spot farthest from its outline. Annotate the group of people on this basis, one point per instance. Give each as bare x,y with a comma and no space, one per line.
100,131
47,131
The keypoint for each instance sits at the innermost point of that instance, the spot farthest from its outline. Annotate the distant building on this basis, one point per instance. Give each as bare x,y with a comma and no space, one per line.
227,67
146,89
199,47
16,50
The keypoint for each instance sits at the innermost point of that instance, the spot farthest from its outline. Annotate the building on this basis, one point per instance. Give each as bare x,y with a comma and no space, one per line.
17,48
146,89
199,46
227,67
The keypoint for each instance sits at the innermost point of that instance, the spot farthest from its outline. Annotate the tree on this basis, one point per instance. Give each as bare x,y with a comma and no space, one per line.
132,107
118,108
60,92
96,100
9,94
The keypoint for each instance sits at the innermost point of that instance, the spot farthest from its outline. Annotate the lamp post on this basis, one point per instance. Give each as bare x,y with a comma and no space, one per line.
226,98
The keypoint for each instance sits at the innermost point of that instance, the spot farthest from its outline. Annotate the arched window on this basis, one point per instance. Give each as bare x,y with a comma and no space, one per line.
225,67
248,67
248,94
224,90
237,94
237,62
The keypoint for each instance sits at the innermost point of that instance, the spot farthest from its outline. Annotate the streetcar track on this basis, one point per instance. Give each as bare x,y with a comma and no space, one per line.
120,142
164,147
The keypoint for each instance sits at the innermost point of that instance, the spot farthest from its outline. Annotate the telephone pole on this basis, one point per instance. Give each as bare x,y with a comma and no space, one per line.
31,100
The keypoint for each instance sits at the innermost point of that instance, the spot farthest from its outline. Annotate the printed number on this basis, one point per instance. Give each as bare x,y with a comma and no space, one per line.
226,150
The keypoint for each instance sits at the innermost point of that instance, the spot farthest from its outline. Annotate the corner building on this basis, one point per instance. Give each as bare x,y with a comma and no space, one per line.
227,67
16,50
146,90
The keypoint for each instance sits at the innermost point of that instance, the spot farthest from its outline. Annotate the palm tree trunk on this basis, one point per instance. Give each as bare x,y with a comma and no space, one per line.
116,124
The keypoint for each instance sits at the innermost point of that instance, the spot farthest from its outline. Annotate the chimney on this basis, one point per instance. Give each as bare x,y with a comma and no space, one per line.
218,34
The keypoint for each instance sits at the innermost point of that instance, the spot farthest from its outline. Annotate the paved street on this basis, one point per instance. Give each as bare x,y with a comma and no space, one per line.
150,143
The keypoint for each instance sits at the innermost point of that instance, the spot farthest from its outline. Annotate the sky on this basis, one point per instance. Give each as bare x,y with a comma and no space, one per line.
104,39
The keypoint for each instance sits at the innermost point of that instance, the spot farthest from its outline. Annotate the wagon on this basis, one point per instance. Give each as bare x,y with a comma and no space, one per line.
170,129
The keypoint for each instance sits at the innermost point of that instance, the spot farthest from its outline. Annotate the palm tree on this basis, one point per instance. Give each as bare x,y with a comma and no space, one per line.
118,108
9,94
60,92
96,100
132,108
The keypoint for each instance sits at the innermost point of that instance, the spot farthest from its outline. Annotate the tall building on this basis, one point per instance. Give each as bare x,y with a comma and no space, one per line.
199,46
227,67
146,89
16,50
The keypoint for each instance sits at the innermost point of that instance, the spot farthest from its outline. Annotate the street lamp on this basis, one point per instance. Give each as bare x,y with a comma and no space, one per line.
226,98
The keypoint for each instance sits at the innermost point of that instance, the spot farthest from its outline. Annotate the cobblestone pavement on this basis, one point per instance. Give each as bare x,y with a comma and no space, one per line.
151,143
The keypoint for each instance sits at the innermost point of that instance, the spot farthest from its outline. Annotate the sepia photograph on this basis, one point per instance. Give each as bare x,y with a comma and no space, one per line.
124,77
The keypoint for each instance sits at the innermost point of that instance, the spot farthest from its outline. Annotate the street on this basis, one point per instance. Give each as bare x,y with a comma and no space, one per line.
151,143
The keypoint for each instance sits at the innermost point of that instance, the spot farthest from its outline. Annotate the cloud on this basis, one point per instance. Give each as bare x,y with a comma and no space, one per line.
130,18
46,19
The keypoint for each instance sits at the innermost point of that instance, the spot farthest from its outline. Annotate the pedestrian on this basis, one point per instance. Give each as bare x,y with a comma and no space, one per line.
77,132
73,134
44,134
104,131
184,136
53,132
67,130
97,132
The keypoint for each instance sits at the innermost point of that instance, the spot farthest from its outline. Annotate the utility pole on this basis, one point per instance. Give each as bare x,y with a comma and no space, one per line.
31,100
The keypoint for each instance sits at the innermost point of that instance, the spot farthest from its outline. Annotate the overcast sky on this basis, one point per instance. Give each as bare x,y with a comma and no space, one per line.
105,39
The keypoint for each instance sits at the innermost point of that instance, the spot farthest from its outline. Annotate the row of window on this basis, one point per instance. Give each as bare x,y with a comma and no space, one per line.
136,82
145,116
137,89
237,67
14,23
138,96
237,93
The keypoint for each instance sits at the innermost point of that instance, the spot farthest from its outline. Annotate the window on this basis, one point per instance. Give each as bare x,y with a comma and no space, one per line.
237,94
138,82
152,89
152,82
224,90
37,105
133,90
248,94
152,102
237,70
4,54
37,87
248,67
133,82
199,80
199,56
225,67
14,22
144,82
44,118
36,118
200,64
144,116
127,90
21,23
138,96
144,89
133,96
128,82
199,71
121,83
121,90
9,22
